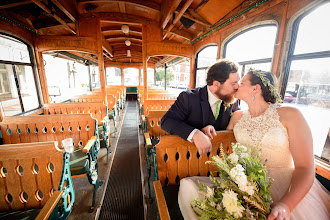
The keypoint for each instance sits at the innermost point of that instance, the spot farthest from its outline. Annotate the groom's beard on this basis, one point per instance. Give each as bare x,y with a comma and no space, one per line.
228,98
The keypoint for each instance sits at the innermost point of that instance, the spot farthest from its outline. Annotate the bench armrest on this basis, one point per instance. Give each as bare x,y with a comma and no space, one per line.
89,144
48,208
161,202
147,139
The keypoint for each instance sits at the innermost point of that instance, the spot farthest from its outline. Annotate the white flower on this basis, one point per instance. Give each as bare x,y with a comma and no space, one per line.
235,146
248,189
229,201
233,158
244,155
242,148
209,192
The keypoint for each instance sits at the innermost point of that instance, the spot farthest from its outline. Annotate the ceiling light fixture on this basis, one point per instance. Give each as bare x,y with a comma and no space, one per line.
128,42
125,28
129,53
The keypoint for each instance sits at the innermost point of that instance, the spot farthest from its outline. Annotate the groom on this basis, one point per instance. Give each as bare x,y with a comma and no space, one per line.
198,113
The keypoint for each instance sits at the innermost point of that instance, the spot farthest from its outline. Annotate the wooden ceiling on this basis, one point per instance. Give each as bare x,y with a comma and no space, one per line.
182,21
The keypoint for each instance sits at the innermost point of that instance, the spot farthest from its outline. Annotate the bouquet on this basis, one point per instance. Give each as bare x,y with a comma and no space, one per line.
241,192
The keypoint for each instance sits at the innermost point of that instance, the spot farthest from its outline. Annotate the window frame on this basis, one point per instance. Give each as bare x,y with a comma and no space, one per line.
196,60
32,64
255,61
320,163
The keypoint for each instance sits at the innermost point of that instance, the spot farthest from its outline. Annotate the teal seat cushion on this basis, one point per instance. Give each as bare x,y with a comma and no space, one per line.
171,197
81,163
20,215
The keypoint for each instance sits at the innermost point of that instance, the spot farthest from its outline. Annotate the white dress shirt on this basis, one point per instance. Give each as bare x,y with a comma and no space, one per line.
212,100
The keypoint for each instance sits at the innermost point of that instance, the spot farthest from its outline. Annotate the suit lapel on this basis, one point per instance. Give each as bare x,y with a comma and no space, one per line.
205,105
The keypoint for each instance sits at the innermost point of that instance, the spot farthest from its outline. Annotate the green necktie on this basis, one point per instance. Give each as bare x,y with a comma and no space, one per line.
217,109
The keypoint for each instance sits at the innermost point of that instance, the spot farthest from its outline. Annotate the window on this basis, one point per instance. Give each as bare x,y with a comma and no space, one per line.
252,48
113,76
131,77
150,76
18,89
306,83
67,78
205,58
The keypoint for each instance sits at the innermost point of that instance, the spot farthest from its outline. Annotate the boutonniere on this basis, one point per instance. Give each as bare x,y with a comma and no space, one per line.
227,105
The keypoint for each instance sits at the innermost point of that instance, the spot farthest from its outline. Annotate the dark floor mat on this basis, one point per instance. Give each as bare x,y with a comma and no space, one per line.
123,198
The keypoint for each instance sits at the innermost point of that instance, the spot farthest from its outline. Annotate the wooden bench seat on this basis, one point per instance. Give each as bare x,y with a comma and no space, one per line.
157,104
175,159
98,110
82,128
111,103
35,176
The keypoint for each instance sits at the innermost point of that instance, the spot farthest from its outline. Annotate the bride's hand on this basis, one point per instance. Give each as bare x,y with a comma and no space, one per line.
280,211
209,131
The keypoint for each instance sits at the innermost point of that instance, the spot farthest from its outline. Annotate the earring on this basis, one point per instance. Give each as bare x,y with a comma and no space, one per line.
252,98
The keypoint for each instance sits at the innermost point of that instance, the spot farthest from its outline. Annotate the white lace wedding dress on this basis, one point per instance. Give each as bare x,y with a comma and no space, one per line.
271,137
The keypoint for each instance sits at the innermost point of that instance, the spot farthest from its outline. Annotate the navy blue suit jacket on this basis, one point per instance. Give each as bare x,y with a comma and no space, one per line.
192,110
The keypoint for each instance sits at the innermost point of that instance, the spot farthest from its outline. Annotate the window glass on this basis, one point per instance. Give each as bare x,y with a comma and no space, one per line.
141,78
207,56
27,87
255,43
13,50
18,89
312,38
308,84
309,90
113,76
9,93
151,76
201,77
66,78
131,77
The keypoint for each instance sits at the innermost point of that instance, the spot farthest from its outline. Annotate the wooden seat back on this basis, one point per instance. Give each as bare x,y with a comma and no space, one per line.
166,96
38,128
156,105
31,173
98,110
88,98
153,120
177,158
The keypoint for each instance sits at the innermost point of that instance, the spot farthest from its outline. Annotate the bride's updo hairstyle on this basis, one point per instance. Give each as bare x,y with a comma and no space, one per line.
267,82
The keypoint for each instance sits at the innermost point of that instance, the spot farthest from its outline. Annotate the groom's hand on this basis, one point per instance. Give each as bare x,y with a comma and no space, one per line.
202,142
209,131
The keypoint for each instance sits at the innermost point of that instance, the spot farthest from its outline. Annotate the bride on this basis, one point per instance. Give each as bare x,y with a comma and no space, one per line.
285,141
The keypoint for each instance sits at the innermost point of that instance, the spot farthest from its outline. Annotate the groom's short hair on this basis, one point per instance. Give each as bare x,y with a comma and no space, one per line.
220,71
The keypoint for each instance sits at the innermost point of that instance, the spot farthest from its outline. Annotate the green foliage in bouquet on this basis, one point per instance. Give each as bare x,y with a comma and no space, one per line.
241,192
